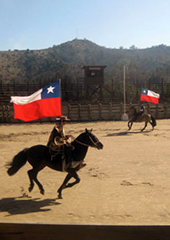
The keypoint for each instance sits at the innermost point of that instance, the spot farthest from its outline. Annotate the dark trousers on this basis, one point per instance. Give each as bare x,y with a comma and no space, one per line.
67,152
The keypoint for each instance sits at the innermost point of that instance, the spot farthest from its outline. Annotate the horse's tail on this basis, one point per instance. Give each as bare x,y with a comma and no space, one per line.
153,121
18,161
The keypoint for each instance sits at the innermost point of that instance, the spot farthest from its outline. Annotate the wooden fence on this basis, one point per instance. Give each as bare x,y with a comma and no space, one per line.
90,112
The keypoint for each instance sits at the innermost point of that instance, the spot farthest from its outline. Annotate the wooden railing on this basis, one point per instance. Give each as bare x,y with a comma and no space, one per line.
90,112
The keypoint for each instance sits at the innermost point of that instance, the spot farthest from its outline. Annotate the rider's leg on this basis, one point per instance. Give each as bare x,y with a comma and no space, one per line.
68,154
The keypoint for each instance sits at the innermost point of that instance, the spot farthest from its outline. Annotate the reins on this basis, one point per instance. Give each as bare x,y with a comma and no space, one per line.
95,143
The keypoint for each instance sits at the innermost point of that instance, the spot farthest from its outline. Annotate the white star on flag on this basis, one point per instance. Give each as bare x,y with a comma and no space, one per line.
50,89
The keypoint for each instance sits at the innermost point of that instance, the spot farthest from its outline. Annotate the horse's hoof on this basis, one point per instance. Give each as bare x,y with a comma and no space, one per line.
60,196
42,191
30,189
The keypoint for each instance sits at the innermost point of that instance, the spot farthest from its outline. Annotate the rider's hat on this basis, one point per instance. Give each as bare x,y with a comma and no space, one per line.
62,118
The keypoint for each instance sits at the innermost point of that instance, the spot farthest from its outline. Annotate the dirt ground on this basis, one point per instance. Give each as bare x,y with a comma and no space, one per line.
128,182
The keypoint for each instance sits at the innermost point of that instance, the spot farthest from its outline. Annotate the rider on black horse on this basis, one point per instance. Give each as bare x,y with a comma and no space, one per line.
58,143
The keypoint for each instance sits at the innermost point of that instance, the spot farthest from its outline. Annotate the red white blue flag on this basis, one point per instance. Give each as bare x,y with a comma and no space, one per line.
46,102
149,96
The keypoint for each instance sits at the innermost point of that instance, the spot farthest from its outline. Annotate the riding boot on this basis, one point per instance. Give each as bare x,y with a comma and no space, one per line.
68,155
81,165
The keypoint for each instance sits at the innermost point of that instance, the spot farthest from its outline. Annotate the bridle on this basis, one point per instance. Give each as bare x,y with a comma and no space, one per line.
94,143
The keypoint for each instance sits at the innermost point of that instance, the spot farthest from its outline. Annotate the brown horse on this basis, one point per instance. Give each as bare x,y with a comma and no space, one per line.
137,117
39,157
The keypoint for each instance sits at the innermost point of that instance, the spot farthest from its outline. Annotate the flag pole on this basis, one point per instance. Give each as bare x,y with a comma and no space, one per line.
124,89
124,116
60,95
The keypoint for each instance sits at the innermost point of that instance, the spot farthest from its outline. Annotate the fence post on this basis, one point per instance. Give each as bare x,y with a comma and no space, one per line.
165,110
121,110
110,111
79,111
1,112
68,111
4,113
157,110
89,111
100,111
8,114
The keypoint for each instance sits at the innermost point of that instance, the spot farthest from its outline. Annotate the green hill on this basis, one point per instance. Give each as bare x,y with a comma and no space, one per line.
66,61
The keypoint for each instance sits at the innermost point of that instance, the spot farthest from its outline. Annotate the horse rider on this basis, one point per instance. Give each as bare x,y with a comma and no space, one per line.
141,110
58,143
139,114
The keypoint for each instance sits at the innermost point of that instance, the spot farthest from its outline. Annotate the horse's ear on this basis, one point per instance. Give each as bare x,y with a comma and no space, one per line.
87,131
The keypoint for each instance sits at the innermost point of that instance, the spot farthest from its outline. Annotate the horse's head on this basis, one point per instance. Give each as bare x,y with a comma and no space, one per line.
88,139
92,140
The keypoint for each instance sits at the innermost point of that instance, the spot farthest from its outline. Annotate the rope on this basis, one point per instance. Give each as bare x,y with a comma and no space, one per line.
95,143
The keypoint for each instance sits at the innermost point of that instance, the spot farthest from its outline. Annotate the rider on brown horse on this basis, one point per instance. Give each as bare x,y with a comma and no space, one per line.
139,114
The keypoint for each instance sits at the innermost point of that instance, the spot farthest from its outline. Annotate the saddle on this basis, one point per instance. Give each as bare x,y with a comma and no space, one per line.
58,148
139,114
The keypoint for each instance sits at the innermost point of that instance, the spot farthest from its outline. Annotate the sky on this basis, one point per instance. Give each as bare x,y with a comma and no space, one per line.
40,24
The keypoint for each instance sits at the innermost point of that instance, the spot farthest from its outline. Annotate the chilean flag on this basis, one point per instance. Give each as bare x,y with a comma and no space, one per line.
46,102
149,96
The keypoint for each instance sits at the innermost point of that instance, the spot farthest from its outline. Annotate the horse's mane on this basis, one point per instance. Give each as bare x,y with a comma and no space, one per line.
79,137
133,110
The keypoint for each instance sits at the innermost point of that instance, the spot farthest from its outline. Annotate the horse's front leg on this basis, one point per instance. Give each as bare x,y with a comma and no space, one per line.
71,173
130,123
144,126
63,185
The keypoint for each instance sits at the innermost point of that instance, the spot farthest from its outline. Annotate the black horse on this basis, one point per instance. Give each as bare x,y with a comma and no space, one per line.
137,117
38,156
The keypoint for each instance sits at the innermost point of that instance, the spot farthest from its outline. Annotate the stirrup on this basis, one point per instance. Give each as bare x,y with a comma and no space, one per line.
74,164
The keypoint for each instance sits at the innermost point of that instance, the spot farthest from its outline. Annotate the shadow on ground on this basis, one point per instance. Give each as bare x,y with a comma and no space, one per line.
14,206
125,133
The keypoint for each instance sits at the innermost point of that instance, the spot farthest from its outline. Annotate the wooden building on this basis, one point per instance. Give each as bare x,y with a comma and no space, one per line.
94,75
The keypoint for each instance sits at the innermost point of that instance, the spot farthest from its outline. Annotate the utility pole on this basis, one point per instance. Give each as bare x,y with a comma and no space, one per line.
124,116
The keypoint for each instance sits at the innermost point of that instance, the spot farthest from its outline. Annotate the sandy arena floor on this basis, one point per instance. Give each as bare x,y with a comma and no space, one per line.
128,182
